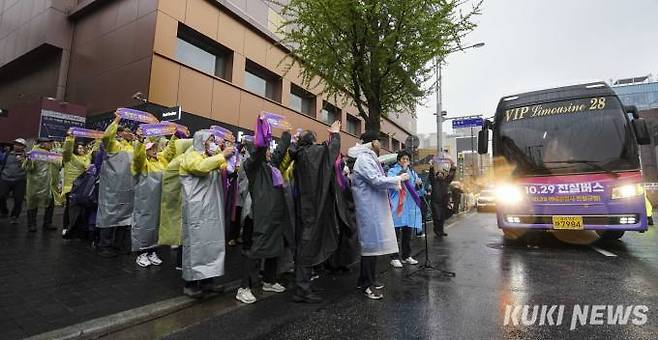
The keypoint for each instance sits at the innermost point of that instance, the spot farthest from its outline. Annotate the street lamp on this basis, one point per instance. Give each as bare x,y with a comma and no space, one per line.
439,115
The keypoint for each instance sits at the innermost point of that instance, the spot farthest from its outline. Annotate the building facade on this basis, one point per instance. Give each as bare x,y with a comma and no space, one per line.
219,60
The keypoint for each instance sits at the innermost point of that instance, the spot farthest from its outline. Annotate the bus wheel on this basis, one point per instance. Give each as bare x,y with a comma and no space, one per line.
610,234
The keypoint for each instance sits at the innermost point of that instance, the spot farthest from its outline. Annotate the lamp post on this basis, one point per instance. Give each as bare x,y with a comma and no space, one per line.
439,87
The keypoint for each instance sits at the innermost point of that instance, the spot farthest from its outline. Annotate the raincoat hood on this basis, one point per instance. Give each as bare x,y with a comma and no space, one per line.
360,149
200,138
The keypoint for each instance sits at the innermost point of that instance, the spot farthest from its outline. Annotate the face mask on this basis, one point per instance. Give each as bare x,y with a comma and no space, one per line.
213,148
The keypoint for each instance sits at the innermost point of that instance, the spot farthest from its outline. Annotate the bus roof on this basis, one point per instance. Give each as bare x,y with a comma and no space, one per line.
597,89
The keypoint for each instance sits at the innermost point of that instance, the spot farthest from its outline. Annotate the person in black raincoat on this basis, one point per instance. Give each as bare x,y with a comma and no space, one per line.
264,238
440,180
316,236
348,250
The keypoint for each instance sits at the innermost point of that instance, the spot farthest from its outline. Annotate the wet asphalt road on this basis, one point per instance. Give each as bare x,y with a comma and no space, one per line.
491,274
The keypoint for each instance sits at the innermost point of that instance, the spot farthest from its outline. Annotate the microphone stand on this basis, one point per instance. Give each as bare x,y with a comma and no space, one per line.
427,266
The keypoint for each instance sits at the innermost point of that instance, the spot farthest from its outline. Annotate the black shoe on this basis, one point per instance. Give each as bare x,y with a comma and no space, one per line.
107,253
14,220
306,298
373,294
213,288
440,234
650,220
193,292
32,229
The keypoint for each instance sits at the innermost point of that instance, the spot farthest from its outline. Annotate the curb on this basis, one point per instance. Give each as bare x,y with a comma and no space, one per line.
105,325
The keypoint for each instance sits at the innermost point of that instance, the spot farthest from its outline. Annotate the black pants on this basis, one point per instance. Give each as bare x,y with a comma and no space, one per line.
439,216
47,216
66,220
404,237
368,271
303,279
17,188
117,238
252,268
234,226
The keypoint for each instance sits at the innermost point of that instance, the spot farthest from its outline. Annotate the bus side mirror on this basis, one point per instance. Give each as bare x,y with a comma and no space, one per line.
483,141
641,131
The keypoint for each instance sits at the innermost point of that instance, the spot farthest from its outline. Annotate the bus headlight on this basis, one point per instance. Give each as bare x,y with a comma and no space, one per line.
627,191
508,194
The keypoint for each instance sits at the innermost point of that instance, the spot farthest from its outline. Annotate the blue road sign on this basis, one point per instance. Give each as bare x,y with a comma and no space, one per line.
467,123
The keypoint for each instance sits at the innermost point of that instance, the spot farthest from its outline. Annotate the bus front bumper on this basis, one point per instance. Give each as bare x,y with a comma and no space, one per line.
625,222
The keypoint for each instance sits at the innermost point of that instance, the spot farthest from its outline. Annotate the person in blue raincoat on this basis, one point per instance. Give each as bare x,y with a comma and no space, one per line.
370,187
407,216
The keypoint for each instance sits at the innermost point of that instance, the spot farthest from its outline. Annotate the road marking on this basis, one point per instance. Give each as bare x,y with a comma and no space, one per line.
603,251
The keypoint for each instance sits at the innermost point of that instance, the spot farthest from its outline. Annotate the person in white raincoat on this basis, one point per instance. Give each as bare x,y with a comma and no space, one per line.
203,213
373,210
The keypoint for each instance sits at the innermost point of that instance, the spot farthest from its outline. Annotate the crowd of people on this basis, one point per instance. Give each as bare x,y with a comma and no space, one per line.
304,200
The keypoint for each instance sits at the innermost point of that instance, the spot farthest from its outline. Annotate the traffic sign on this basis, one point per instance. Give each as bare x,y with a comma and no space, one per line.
467,123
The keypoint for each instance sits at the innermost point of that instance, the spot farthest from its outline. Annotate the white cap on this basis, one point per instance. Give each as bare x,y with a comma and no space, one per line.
20,141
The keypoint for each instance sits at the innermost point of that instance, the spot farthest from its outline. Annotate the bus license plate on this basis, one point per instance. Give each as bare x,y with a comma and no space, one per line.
568,222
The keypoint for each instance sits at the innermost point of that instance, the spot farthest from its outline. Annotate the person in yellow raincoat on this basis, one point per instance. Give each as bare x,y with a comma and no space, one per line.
76,159
42,179
148,166
203,213
171,204
116,190
649,208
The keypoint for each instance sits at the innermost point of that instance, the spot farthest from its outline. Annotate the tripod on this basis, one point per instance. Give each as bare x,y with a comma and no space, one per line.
427,266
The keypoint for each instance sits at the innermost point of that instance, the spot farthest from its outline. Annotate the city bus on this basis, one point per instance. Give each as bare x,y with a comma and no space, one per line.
568,159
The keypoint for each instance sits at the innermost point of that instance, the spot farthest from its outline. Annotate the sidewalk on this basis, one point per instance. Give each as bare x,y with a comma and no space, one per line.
47,283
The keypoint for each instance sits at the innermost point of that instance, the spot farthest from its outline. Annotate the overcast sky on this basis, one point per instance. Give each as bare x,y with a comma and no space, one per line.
537,44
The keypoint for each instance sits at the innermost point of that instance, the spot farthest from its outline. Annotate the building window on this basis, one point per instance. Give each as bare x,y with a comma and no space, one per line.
353,125
396,145
302,100
329,113
262,82
202,53
384,140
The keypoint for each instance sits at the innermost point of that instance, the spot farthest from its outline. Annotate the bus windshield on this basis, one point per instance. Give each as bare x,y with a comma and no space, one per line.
566,137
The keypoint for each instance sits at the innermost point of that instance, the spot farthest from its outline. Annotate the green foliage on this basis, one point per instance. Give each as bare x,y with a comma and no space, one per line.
380,53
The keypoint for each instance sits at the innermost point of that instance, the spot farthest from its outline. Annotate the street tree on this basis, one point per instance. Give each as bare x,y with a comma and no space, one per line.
379,53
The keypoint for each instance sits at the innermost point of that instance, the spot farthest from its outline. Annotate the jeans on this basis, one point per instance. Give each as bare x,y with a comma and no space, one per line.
17,188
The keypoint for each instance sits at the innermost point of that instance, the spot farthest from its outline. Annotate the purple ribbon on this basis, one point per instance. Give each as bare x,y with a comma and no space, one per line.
277,178
412,191
136,115
86,133
156,130
263,133
340,177
44,156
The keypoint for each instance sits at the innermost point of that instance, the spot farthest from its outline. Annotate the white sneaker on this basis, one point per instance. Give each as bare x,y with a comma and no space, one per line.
410,260
396,263
143,260
244,295
276,287
155,260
